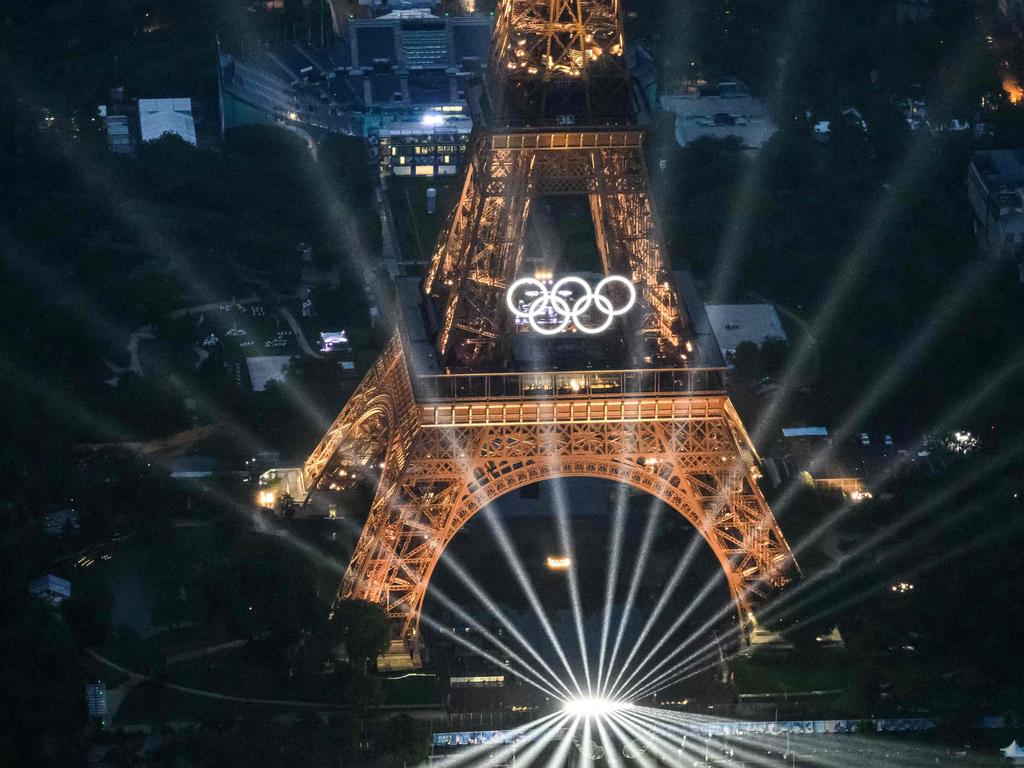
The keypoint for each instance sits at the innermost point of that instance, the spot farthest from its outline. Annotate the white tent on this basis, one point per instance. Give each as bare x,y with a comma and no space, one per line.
158,117
1014,751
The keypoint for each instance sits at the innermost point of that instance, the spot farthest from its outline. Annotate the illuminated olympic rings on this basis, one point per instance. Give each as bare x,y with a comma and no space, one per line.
543,300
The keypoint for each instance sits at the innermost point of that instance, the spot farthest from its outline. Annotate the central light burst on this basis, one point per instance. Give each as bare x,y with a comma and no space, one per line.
594,706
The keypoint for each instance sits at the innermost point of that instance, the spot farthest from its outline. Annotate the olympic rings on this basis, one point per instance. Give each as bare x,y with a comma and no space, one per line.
543,301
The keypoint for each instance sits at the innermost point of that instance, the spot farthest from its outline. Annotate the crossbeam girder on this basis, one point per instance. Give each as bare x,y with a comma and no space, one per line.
477,260
694,456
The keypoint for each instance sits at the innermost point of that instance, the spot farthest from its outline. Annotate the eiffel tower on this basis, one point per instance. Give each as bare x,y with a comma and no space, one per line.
452,417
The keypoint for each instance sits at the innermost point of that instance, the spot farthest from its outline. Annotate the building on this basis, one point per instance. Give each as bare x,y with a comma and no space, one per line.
432,146
266,368
733,324
1013,10
290,84
807,453
119,134
278,481
400,79
60,521
193,467
995,190
413,58
335,344
96,700
720,112
160,117
50,588
910,11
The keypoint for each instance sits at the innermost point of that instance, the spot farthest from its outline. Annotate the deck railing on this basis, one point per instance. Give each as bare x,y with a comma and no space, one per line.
533,385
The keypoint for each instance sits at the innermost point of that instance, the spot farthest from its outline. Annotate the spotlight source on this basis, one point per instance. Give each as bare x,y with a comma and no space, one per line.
594,706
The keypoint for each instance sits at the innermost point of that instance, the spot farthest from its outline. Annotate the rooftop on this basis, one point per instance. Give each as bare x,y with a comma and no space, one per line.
734,324
158,117
1001,168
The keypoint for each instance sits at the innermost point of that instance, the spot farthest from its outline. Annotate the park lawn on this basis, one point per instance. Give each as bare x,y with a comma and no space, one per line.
793,675
153,703
418,230
256,671
410,691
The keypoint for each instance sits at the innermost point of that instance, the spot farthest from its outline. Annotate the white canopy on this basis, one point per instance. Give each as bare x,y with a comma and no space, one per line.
1014,750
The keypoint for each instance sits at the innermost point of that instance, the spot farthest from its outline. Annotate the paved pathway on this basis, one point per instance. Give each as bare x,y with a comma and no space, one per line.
134,678
300,337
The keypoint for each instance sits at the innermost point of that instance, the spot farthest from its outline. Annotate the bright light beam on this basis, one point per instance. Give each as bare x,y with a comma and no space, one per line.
527,730
611,578
501,535
621,689
564,526
639,568
976,543
492,606
539,685
560,758
594,706
467,619
669,590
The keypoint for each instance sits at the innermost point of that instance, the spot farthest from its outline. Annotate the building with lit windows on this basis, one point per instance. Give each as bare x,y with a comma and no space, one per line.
431,146
400,79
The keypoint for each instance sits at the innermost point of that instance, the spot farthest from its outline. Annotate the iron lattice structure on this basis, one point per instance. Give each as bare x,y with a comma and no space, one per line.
476,261
445,456
559,60
443,447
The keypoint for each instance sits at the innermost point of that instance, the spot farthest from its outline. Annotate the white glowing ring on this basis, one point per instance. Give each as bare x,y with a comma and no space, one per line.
551,299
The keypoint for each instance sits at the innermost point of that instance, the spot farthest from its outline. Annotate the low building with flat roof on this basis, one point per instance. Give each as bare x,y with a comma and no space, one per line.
995,190
265,369
52,589
720,112
57,522
433,145
734,324
160,117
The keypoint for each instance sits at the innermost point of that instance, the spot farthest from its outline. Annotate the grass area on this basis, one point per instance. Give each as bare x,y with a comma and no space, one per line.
417,230
410,691
150,702
791,675
246,673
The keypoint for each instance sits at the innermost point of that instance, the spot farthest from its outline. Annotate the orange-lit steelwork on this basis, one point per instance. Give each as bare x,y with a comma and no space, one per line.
445,457
447,445
478,259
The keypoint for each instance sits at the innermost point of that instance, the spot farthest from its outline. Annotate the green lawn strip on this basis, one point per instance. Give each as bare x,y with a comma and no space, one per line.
790,675
410,691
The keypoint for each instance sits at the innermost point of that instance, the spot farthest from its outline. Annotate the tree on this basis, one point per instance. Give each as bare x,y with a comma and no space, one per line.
406,740
773,356
286,505
363,627
88,614
746,360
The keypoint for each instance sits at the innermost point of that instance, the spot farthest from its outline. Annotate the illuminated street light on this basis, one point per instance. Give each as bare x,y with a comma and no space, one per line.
559,563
